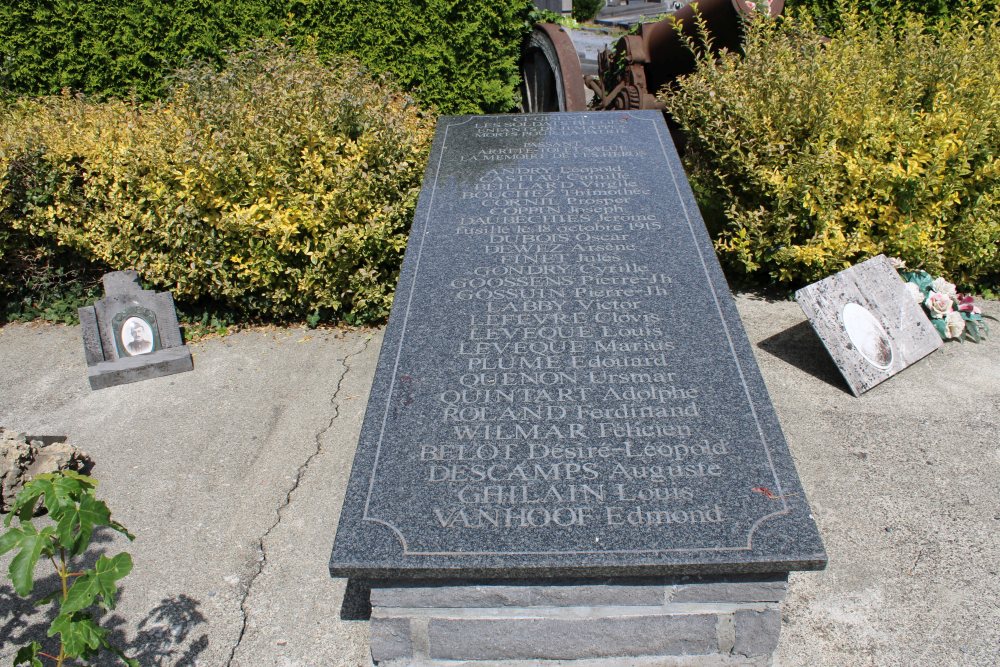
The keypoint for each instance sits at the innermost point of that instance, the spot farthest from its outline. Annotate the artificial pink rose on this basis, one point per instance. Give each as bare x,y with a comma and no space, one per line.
914,291
939,304
966,305
945,287
954,325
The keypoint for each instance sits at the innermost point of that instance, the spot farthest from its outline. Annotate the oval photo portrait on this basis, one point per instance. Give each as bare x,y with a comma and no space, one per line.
868,336
137,336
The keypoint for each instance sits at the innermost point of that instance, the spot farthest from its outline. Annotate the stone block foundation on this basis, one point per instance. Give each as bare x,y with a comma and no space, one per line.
675,622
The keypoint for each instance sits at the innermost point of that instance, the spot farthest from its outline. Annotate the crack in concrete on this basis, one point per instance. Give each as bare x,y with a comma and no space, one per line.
317,450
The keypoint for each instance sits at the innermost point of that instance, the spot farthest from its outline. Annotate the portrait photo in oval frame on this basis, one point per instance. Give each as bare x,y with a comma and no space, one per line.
867,335
137,336
136,332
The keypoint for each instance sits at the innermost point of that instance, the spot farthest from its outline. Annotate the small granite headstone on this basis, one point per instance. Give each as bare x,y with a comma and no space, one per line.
869,323
131,334
565,387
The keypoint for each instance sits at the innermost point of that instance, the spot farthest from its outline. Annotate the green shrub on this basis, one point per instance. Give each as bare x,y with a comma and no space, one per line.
279,188
584,10
829,13
458,56
820,154
38,278
119,47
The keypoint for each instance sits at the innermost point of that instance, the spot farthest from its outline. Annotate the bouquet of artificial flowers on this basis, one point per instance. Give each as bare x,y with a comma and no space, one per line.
954,315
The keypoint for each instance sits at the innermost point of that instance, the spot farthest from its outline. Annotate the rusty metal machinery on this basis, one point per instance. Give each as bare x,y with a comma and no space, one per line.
551,77
635,68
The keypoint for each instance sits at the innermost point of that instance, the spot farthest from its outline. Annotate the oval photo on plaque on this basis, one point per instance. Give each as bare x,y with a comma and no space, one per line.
137,336
868,336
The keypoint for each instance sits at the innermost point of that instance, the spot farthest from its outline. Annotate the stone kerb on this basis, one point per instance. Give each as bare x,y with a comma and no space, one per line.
685,622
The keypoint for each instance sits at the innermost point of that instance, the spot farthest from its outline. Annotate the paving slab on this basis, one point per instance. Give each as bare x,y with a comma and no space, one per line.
232,478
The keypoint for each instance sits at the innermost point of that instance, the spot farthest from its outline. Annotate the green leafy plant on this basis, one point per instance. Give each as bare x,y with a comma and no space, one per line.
585,10
549,16
38,277
821,152
48,292
277,188
120,48
458,56
829,13
74,512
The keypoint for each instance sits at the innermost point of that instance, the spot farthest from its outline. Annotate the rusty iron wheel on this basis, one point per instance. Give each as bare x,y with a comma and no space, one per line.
551,77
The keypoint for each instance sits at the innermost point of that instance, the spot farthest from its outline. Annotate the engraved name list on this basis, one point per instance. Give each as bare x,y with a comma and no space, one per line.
566,411
562,373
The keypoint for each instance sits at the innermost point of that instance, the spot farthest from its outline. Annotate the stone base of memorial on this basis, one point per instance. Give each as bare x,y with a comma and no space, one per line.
566,405
691,622
131,334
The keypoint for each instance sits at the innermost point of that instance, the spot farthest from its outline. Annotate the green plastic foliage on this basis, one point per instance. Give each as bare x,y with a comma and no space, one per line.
281,188
458,56
815,154
69,499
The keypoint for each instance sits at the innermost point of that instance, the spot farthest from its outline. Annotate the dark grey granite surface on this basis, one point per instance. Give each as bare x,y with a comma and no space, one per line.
565,387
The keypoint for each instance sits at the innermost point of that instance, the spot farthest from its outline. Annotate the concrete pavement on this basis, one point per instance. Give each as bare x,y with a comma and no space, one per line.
232,477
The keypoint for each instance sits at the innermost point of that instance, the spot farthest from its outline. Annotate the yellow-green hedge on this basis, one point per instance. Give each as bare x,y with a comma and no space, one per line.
823,153
281,187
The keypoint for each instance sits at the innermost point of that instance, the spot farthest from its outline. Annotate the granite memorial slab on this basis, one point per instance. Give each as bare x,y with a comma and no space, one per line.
131,334
869,323
565,387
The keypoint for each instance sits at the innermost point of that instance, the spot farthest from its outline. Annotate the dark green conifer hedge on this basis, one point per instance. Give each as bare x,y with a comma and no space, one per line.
458,56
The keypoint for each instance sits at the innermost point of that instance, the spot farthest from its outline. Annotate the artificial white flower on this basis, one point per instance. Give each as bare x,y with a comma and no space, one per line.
945,287
915,291
954,325
897,263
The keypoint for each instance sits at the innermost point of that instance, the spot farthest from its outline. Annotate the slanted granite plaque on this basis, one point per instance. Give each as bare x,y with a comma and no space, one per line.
868,322
565,387
131,334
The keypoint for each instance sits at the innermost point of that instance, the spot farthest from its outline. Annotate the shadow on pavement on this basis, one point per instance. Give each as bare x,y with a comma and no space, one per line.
163,637
801,347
